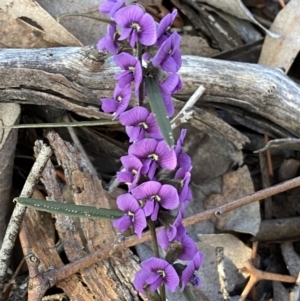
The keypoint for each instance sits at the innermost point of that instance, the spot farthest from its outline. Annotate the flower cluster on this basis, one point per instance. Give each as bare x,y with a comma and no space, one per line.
155,53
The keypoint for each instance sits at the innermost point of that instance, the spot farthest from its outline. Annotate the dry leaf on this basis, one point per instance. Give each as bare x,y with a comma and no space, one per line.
237,9
31,12
9,115
282,52
16,33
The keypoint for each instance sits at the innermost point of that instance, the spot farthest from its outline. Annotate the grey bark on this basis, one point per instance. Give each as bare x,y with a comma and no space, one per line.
75,78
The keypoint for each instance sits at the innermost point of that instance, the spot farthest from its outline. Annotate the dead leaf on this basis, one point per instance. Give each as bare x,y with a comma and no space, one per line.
32,13
238,9
282,52
16,33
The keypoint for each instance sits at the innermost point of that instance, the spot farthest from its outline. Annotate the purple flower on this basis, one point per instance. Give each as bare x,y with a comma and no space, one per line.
139,122
153,153
110,7
132,171
155,195
134,215
119,103
132,70
168,55
136,24
164,26
155,272
107,43
171,84
184,177
165,240
188,274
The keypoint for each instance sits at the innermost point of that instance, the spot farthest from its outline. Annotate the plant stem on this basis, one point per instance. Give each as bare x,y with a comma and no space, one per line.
162,292
139,57
153,238
188,294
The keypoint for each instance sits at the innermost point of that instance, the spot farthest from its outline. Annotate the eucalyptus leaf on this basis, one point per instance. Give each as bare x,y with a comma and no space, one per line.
159,110
70,209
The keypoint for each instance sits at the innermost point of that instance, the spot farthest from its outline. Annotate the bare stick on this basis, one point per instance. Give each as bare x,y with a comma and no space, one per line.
257,275
53,276
18,213
221,272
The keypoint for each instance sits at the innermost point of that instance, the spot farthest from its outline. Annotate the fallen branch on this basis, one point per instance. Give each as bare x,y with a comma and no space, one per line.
19,211
51,277
74,79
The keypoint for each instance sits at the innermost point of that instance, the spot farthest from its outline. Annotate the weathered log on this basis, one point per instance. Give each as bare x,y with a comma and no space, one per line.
75,78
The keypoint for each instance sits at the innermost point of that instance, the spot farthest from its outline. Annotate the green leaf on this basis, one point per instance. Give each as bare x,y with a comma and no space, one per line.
159,110
70,209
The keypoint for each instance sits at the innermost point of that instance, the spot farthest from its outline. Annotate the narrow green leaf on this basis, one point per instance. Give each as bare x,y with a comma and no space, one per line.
70,209
159,110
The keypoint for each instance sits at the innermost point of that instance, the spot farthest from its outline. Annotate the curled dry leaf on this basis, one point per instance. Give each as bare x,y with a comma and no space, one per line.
288,45
32,13
238,9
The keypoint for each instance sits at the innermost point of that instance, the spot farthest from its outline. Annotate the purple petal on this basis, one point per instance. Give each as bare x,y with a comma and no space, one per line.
124,60
165,23
106,6
189,248
123,223
139,281
162,239
168,104
148,207
135,133
198,260
162,53
146,190
109,105
134,116
131,163
171,279
154,264
187,275
152,170
154,214
116,7
125,33
139,222
125,177
153,129
155,285
170,83
133,38
169,197
138,75
166,156
169,64
142,149
128,15
126,202
147,36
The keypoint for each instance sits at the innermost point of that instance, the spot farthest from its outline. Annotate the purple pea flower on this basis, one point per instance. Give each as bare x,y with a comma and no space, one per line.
119,103
134,215
155,195
155,272
132,70
136,24
171,84
164,26
154,153
139,123
131,175
168,55
110,7
166,237
107,43
188,274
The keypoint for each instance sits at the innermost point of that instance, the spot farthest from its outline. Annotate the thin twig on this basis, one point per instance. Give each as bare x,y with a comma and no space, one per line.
257,275
18,213
55,275
187,112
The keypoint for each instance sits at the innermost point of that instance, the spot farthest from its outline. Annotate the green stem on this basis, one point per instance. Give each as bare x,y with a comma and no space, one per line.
139,57
188,294
153,238
162,292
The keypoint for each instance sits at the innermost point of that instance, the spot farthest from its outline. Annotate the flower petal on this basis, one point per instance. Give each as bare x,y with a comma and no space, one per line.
142,149
166,156
169,197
